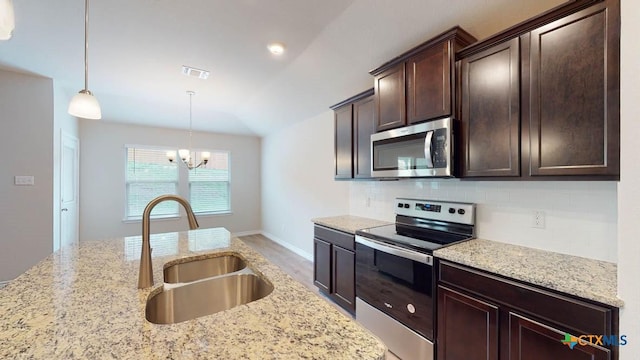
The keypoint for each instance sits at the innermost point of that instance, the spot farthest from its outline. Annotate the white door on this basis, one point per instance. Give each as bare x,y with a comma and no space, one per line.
69,190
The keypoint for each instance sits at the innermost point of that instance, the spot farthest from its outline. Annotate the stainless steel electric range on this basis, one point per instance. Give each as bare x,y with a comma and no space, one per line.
395,276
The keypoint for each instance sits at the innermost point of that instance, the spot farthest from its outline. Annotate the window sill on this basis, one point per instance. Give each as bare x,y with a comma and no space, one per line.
157,218
218,213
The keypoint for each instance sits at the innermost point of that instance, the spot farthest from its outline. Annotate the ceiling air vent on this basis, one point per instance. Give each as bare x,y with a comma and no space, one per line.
193,72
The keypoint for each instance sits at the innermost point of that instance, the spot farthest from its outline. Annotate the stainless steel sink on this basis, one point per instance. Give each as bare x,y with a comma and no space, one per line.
201,269
205,297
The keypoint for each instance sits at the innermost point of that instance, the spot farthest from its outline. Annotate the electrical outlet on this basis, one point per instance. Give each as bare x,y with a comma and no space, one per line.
538,219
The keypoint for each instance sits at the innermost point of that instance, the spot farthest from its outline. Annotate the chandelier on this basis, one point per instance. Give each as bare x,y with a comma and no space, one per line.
186,155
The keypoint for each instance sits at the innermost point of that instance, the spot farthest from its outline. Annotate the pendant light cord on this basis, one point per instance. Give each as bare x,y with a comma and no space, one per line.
86,45
190,122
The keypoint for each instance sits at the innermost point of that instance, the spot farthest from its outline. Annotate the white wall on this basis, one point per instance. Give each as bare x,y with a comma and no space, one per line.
26,142
297,182
102,174
581,217
629,186
62,122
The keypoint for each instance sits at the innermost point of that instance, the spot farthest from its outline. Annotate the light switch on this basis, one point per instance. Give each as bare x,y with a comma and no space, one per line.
24,180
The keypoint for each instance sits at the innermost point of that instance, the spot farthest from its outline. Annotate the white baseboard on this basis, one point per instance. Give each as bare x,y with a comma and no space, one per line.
246,233
287,245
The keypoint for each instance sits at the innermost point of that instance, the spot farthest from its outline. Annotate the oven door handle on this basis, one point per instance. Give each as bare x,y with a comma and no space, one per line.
395,250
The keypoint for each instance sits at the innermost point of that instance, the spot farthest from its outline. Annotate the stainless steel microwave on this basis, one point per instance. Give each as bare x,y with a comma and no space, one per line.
422,150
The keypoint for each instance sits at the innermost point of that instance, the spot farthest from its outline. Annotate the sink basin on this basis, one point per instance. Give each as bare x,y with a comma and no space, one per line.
205,297
201,269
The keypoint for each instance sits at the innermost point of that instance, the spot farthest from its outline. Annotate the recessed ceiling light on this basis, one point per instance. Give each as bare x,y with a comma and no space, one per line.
276,48
191,71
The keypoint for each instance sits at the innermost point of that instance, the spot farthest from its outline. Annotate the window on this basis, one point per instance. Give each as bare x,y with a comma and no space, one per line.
149,174
209,186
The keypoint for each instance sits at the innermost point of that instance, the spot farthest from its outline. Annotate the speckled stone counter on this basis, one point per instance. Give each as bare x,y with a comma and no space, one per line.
586,278
348,223
83,303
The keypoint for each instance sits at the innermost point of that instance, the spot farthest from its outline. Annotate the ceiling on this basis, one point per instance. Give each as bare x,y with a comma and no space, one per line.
137,49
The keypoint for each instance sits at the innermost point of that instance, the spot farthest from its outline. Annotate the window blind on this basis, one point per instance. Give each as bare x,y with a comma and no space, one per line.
209,186
149,175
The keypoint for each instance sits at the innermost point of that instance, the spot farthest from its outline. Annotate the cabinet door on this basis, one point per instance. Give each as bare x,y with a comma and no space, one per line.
491,112
429,84
344,286
322,264
531,340
363,126
343,142
574,94
389,98
467,327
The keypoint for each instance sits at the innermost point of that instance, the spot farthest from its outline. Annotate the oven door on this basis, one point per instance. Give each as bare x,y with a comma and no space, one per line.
396,281
423,150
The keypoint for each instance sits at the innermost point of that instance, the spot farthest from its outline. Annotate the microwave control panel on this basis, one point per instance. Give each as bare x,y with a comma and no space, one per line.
439,148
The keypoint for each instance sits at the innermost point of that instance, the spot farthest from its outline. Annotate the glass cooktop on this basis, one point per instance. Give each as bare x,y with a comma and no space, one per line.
423,240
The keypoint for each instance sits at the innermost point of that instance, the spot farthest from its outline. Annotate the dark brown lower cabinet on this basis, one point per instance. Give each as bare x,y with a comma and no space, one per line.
344,286
334,270
469,327
484,316
322,264
532,340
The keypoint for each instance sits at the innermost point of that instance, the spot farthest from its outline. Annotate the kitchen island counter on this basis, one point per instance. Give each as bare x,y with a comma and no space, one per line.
83,302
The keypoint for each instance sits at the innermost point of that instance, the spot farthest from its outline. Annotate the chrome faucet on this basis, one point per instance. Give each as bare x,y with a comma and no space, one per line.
145,277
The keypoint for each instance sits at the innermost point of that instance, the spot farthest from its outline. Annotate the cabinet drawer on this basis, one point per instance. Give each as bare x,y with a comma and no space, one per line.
572,314
342,239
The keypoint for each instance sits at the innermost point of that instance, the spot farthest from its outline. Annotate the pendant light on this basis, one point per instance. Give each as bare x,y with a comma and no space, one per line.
187,157
84,104
7,19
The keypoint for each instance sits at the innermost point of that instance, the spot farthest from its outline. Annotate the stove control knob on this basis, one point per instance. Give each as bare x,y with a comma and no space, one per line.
452,211
461,211
411,308
406,206
399,205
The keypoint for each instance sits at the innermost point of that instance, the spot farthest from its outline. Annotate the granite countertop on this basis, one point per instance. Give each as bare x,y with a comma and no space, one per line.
348,223
586,278
83,303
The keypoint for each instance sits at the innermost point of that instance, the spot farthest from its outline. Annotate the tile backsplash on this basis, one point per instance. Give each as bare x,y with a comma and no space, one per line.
580,216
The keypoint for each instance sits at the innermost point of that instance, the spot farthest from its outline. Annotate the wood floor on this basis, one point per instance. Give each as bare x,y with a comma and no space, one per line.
293,264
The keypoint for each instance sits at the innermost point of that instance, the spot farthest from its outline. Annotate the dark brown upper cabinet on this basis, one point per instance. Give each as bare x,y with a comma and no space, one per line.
363,126
574,91
541,100
490,120
418,85
389,98
343,124
353,125
428,76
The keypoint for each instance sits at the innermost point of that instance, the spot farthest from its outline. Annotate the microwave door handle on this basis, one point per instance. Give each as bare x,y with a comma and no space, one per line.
427,149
